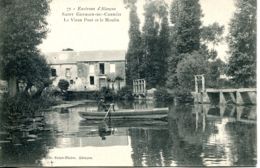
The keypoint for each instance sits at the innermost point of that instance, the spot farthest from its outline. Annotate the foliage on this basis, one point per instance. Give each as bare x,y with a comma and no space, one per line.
155,42
163,46
161,94
214,70
185,35
134,52
212,33
185,16
190,53
107,94
242,44
24,104
63,85
125,93
113,78
23,26
192,64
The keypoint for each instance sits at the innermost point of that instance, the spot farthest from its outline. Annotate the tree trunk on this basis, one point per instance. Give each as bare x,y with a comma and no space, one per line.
38,93
28,86
12,86
119,88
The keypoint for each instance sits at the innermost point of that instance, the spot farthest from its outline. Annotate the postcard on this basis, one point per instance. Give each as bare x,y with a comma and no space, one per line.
167,83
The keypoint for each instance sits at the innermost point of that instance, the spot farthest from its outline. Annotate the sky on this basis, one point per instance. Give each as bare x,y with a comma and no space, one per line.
90,35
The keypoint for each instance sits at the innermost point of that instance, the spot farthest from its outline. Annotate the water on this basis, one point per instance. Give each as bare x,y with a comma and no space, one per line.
195,135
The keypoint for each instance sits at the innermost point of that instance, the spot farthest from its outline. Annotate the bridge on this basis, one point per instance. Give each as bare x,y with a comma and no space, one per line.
239,96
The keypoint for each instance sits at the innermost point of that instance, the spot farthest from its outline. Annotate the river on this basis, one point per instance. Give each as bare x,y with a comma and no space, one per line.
194,135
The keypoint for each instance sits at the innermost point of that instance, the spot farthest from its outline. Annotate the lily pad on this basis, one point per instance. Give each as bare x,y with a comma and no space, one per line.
4,141
30,140
32,136
4,133
18,144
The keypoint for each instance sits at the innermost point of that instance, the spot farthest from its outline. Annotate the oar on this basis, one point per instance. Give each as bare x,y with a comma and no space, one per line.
106,113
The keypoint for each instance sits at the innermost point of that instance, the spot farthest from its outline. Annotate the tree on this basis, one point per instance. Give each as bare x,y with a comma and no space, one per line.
242,44
185,16
212,35
192,64
185,35
163,45
134,52
155,42
63,85
23,26
213,75
119,79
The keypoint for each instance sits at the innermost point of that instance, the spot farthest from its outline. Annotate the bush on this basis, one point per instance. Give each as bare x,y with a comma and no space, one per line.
63,85
125,93
107,94
192,64
25,104
161,94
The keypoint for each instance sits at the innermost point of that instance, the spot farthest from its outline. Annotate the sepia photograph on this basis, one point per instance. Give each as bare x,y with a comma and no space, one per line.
136,83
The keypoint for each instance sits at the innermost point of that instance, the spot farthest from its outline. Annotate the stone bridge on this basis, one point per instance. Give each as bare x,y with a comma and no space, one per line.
240,96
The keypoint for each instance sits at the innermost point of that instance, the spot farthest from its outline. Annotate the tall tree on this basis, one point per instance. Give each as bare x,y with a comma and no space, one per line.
22,28
185,34
155,42
163,45
185,16
242,43
134,52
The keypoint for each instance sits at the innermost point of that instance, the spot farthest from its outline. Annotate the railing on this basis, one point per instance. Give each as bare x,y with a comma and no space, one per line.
139,86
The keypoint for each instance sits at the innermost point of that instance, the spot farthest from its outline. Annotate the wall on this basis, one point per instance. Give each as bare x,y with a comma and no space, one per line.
81,72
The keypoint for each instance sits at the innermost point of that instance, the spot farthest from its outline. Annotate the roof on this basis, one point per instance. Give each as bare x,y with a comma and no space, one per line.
71,57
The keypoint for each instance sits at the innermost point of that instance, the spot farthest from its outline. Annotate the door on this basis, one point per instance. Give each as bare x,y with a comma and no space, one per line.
102,83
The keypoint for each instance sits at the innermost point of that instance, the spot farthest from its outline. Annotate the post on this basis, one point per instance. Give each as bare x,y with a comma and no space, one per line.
144,86
203,83
196,84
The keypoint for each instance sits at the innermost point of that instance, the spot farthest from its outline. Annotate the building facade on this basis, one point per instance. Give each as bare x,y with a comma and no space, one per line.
88,70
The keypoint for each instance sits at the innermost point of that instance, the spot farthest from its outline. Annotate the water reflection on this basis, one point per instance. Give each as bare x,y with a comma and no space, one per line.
195,135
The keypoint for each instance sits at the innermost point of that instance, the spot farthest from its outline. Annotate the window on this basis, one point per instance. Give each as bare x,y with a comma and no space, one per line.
92,81
53,72
112,68
102,68
67,74
91,69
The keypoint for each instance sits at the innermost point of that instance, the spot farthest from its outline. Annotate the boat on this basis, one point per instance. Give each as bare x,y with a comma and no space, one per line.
127,114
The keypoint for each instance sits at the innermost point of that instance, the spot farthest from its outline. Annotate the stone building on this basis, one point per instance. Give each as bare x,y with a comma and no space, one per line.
88,70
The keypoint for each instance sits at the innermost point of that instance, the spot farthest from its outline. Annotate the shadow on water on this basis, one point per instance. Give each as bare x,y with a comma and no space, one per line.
195,135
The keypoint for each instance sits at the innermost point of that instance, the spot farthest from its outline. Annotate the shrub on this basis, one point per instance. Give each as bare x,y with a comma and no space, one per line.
63,85
161,94
125,93
25,104
107,93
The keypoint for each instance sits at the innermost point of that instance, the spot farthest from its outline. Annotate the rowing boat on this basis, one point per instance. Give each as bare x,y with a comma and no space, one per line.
136,114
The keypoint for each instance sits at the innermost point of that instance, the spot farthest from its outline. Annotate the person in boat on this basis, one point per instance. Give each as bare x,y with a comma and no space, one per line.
102,106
